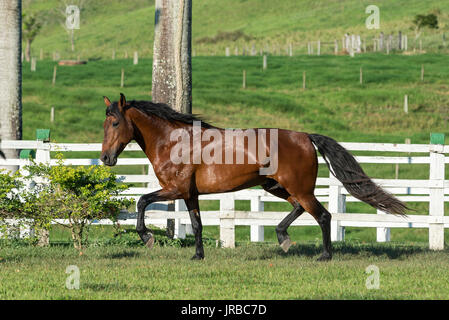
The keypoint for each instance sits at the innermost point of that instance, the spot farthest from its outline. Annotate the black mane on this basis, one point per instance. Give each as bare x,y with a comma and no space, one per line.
162,111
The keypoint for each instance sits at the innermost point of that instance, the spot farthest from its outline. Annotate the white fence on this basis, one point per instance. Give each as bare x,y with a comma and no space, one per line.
433,190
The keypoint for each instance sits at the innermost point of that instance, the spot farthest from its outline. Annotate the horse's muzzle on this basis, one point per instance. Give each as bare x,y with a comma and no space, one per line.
109,160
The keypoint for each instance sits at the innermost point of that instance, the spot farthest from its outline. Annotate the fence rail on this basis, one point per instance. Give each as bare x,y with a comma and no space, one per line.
434,190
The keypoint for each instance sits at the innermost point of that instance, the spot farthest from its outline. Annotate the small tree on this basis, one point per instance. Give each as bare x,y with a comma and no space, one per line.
422,21
77,194
31,26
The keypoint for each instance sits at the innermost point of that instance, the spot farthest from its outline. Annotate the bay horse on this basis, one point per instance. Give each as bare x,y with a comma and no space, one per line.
152,126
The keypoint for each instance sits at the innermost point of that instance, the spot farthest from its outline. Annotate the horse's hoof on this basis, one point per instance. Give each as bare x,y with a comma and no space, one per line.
150,243
197,257
285,245
325,257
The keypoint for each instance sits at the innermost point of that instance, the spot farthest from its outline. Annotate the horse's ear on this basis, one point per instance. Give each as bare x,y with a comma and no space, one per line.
122,102
107,102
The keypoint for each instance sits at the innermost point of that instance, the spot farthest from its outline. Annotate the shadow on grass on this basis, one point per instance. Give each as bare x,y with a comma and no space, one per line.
123,255
342,250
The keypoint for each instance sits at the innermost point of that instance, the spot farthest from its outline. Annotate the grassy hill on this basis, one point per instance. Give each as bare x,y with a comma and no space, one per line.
128,25
334,103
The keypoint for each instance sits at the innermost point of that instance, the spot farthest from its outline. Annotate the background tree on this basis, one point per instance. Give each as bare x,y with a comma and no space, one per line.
10,73
172,66
30,29
62,17
422,21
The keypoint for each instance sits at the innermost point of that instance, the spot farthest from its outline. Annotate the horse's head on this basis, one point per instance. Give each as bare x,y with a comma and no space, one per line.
118,131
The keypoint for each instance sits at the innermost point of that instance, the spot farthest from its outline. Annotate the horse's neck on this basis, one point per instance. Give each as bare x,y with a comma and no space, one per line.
150,132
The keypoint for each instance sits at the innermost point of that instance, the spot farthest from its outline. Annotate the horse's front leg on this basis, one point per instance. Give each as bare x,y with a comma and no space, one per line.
144,201
194,212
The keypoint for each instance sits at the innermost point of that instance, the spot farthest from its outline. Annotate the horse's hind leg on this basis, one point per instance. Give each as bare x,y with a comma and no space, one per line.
195,218
281,229
323,217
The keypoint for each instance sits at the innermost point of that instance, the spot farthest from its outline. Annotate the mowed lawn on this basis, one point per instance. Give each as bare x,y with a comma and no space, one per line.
246,272
125,269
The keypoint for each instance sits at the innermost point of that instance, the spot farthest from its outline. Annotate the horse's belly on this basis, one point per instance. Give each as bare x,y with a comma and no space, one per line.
227,177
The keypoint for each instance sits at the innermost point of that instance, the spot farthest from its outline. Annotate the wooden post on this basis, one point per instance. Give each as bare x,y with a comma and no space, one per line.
227,222
257,231
436,205
382,233
381,41
52,114
136,58
227,53
43,156
304,80
33,64
264,66
290,49
406,103
361,75
244,79
318,48
422,72
54,75
181,230
335,47
122,79
337,204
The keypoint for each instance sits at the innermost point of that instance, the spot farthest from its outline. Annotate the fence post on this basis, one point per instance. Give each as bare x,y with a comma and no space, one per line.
337,204
43,156
181,229
227,222
436,205
383,234
257,231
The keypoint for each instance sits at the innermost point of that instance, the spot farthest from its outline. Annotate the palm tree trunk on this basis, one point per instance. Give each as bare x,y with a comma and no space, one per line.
172,67
11,73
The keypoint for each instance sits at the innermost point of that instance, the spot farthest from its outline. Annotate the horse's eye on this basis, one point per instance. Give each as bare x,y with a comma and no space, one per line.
115,124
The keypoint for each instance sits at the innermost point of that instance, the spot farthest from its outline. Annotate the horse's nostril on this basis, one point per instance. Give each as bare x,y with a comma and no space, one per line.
104,158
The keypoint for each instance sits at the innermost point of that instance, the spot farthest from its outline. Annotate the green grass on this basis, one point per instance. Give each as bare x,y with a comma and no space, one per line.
246,272
122,268
334,102
129,25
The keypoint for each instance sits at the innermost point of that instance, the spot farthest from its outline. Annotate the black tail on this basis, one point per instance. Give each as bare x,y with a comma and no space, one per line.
346,169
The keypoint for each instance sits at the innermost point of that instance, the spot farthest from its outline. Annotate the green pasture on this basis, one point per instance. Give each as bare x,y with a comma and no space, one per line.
128,26
250,271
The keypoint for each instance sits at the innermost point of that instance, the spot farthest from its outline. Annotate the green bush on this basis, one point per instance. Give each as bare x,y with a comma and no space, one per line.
77,195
